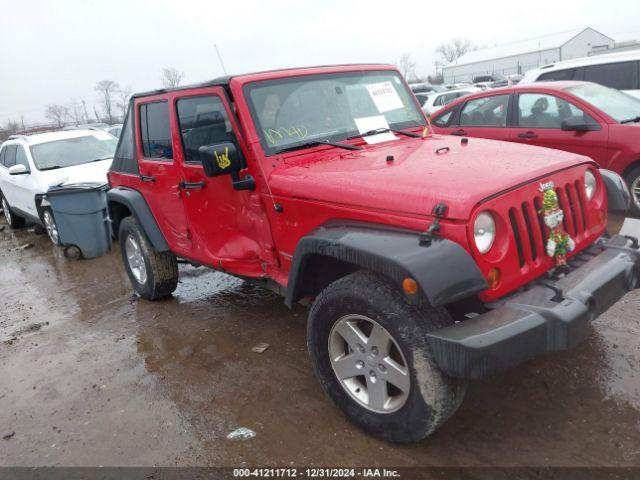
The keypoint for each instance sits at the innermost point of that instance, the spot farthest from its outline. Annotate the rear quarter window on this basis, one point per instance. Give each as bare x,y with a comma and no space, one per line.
558,75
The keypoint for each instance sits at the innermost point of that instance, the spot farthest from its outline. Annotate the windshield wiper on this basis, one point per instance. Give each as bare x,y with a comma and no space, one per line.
100,159
631,120
315,143
377,131
53,167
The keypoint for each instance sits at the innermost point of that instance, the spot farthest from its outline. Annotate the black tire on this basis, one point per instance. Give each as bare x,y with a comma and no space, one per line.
51,230
633,181
433,397
161,268
13,220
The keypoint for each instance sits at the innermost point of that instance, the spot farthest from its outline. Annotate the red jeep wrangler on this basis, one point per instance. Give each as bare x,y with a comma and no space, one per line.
428,260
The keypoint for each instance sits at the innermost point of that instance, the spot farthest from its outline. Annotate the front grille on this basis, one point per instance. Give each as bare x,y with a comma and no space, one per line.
530,232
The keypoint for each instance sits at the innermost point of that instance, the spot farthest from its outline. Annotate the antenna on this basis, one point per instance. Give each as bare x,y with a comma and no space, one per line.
220,58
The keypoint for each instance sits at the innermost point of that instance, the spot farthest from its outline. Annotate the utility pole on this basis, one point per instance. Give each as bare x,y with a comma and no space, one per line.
220,58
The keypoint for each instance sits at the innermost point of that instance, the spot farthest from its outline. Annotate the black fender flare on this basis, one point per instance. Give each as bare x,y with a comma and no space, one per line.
618,196
139,208
444,270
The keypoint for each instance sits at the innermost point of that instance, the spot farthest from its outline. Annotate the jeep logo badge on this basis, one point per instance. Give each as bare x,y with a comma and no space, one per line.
546,186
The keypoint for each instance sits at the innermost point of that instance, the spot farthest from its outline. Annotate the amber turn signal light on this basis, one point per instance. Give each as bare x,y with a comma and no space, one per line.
410,286
493,278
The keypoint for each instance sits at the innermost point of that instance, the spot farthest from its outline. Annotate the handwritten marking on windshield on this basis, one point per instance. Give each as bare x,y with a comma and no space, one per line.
273,136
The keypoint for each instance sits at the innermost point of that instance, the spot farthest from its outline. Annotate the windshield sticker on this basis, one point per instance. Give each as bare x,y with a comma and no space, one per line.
367,124
275,136
385,97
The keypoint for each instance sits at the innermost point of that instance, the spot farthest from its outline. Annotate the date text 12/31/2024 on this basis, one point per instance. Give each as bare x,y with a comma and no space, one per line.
315,473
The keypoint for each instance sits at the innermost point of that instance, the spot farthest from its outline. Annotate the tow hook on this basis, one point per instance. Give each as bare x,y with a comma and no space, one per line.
439,211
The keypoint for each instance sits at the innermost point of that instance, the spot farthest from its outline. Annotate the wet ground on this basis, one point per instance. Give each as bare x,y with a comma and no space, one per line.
91,375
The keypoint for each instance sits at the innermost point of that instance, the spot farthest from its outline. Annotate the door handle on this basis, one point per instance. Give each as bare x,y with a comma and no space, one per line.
147,178
528,135
191,185
459,133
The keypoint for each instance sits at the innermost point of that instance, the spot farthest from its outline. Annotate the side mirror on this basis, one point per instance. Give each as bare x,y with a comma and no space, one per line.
18,170
225,159
576,125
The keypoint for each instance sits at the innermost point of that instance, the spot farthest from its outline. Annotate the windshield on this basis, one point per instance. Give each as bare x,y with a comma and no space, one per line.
618,105
329,107
73,151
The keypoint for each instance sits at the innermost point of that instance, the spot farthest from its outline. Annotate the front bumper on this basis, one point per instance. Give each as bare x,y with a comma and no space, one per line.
544,318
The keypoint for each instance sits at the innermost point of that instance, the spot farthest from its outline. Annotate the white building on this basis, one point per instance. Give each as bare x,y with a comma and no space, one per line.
518,57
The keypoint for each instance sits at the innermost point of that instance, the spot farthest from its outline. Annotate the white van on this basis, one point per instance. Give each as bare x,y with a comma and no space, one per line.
616,70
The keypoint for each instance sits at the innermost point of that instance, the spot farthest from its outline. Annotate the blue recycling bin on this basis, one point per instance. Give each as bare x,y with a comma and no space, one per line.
80,213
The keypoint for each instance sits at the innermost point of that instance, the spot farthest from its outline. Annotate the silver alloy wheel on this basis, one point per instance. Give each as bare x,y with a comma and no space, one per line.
135,259
51,227
635,191
369,364
6,210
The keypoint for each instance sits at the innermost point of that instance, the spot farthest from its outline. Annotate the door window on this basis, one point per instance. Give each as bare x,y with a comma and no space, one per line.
21,158
537,110
203,121
621,75
485,112
566,74
155,131
9,159
442,120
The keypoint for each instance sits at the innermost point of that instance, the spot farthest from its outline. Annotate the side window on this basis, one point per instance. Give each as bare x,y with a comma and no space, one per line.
21,157
566,74
203,121
622,75
155,131
9,159
2,151
485,112
536,110
443,120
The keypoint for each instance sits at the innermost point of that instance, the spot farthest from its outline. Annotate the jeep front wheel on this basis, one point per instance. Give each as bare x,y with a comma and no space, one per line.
368,346
153,274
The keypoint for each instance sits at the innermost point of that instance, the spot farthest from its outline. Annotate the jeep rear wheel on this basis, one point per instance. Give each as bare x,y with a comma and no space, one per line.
13,220
368,346
154,275
633,180
50,226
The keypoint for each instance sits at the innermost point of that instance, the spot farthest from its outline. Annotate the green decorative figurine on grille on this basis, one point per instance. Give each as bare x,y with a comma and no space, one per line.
559,243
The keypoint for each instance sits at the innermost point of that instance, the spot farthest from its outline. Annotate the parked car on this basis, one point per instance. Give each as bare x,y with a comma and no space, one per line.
427,261
616,70
436,101
585,118
88,126
489,78
115,129
424,88
30,165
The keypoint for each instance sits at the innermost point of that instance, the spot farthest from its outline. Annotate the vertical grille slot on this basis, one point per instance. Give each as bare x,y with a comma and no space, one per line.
537,204
529,225
581,201
566,222
577,223
516,235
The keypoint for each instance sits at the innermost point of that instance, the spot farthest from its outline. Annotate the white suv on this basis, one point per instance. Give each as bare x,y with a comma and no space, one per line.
30,165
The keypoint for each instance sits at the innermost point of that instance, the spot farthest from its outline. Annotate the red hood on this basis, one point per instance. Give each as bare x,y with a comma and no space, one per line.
418,178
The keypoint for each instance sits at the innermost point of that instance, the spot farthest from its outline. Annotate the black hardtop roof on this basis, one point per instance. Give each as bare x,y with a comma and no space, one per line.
224,80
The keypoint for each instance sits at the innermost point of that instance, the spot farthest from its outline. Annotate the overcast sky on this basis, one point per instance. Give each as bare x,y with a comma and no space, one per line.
53,51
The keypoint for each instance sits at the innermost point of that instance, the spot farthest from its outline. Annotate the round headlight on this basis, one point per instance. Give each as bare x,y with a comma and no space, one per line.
484,232
589,184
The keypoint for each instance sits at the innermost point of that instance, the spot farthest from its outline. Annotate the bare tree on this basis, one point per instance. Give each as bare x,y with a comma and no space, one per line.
58,114
107,90
123,100
171,77
9,128
456,48
76,111
407,67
